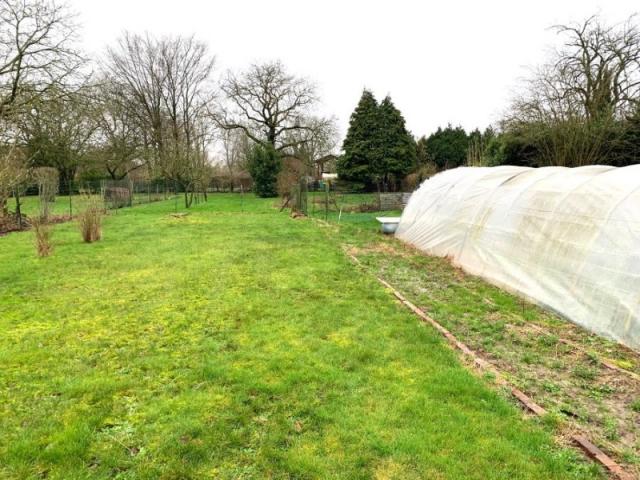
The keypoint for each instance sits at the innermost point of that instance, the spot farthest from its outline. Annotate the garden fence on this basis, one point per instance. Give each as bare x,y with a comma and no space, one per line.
326,201
73,196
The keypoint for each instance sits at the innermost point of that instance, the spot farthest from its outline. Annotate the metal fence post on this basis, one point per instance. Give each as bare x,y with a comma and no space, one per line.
326,202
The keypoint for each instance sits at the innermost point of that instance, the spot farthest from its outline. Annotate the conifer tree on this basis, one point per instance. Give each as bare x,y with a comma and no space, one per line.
398,147
378,147
361,145
264,164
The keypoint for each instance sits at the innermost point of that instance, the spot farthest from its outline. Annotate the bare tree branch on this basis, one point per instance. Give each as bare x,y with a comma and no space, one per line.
266,102
168,81
37,51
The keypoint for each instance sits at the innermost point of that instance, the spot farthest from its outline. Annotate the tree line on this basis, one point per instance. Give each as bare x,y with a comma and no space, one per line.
581,107
147,107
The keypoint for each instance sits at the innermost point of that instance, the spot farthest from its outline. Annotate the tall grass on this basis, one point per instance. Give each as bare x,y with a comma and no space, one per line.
90,221
43,233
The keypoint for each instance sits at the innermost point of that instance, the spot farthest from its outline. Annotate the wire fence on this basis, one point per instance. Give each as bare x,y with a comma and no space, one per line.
335,203
114,194
323,200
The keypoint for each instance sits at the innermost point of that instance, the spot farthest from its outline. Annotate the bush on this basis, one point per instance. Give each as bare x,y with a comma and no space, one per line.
47,180
117,197
264,166
43,234
415,179
90,222
342,185
292,184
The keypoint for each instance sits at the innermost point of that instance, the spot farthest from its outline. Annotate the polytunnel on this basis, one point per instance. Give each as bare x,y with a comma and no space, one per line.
565,238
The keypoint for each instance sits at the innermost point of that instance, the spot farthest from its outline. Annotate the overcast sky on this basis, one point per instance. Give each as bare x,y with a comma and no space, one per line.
441,62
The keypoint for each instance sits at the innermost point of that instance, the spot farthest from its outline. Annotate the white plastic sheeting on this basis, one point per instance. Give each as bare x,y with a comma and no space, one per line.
566,238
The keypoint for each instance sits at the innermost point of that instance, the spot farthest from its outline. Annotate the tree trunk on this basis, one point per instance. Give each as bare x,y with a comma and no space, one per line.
66,180
271,137
188,196
18,211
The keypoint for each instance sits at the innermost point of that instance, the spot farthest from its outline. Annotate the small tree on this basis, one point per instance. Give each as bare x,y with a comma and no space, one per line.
47,180
264,166
58,132
13,177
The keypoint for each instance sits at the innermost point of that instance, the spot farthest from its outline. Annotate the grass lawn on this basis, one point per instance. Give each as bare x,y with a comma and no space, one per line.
236,342
562,366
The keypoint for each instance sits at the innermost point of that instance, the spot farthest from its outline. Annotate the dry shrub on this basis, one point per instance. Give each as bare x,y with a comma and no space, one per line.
117,197
291,184
43,233
47,179
293,170
13,176
413,180
90,222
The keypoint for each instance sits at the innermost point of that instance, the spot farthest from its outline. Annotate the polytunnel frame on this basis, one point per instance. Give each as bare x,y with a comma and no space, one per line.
565,282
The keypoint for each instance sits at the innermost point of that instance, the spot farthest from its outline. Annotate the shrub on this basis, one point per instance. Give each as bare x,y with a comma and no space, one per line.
414,179
292,184
117,197
264,166
47,179
43,233
90,222
342,185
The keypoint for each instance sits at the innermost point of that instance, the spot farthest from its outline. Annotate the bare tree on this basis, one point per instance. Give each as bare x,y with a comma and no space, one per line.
317,146
13,174
58,131
168,79
186,96
120,135
135,64
598,67
36,51
235,148
48,184
268,104
570,106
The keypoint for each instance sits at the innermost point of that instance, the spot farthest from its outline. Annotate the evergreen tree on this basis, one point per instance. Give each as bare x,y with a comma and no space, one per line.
624,141
361,145
448,147
378,147
396,144
264,165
